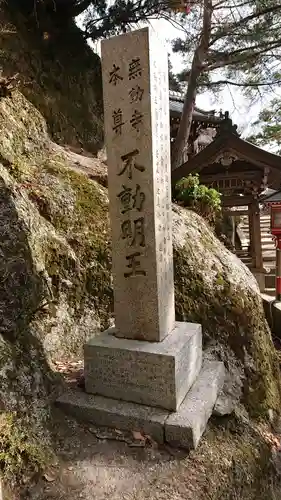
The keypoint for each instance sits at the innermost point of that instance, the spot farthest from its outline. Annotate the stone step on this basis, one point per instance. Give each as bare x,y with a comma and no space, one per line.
117,414
269,257
268,246
182,428
185,427
264,233
246,260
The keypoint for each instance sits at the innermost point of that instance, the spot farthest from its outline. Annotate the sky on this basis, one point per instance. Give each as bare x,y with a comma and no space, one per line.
242,112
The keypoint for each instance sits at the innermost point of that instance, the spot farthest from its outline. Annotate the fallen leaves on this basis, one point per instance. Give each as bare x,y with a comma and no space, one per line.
133,438
138,436
72,371
50,475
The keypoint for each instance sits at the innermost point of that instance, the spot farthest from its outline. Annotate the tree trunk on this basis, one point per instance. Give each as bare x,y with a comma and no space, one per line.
181,141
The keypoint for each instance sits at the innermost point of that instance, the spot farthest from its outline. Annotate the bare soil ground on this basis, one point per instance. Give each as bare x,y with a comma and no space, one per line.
233,462
85,163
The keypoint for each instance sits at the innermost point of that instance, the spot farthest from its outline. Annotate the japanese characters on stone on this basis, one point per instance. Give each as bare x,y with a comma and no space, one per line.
136,109
131,197
135,96
163,193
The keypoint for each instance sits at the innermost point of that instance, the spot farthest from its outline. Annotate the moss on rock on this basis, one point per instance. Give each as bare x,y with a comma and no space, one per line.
55,272
214,288
22,454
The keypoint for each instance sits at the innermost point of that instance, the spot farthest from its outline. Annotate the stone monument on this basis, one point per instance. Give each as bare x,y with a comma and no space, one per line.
143,369
137,128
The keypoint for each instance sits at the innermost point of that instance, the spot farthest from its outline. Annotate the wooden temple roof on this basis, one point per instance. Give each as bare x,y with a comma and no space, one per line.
272,198
176,100
243,156
239,170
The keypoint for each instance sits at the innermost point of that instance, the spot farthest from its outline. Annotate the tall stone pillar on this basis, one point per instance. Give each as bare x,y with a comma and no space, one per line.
159,369
137,130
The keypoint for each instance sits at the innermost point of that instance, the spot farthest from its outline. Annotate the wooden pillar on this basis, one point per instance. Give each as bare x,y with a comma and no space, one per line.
251,236
257,235
257,260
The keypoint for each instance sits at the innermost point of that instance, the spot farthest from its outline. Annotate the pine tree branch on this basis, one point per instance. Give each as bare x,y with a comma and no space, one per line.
251,17
240,84
238,56
80,7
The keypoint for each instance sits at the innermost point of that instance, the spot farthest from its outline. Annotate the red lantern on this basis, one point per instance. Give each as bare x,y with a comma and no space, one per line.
276,219
275,211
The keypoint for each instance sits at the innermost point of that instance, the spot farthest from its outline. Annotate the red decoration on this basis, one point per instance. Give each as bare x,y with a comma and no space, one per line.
276,219
275,211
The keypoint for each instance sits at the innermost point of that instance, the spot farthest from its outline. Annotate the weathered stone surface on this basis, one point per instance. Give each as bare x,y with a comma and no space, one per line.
74,117
185,427
151,373
214,288
182,428
109,412
231,393
137,131
49,276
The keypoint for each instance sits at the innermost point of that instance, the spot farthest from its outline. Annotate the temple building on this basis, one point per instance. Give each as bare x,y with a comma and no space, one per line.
239,170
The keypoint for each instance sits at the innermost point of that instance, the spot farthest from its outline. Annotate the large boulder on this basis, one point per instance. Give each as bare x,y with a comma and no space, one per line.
54,273
213,287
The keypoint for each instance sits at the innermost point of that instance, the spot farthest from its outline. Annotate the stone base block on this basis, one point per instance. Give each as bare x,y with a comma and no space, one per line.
112,413
182,428
150,373
185,427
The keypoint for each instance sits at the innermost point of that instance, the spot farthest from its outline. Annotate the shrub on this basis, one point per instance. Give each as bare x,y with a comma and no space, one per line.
203,200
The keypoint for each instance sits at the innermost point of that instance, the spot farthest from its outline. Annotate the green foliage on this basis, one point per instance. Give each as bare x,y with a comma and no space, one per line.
203,200
269,123
107,19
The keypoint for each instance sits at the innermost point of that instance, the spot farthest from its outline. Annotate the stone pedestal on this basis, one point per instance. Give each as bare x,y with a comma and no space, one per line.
150,373
182,428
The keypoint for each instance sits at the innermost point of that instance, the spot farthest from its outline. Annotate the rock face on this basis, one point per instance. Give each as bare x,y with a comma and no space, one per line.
214,288
55,259
58,72
56,284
